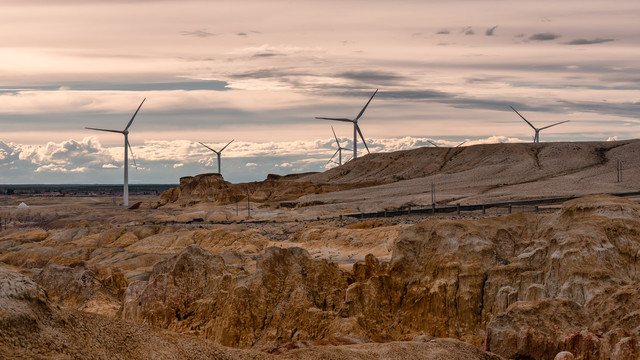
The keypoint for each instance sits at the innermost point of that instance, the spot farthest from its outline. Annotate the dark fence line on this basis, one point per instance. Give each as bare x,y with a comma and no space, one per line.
434,209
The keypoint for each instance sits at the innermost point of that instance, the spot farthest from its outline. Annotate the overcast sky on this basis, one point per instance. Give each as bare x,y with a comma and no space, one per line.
260,71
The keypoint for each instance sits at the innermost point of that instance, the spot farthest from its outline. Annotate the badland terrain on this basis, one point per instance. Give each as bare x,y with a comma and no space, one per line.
289,268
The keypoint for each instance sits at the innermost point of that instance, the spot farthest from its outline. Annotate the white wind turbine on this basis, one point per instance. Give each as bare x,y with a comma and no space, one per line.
536,137
339,151
127,148
356,128
218,153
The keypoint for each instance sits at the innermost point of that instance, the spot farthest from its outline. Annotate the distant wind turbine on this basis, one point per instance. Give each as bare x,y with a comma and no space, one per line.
127,148
218,153
536,137
339,151
432,143
356,128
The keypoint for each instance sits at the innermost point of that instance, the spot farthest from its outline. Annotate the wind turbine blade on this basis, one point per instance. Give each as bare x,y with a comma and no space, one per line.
226,145
334,135
561,122
134,115
132,156
207,147
362,137
432,143
534,128
345,148
115,131
335,119
334,155
461,143
365,107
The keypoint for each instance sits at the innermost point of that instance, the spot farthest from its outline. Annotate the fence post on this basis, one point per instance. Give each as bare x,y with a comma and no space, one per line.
537,209
409,209
483,210
433,208
458,208
510,208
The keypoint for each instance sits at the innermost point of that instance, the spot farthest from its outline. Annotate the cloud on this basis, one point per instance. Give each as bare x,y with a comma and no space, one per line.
588,41
241,34
371,76
282,50
216,85
284,165
415,94
251,164
266,54
467,30
490,31
544,37
175,166
110,166
198,33
443,32
51,168
69,156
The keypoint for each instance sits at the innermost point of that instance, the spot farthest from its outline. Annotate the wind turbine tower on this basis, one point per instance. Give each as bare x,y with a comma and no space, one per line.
339,151
356,128
218,153
127,148
536,137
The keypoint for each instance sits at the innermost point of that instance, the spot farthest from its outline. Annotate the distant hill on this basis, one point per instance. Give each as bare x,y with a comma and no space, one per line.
474,173
522,161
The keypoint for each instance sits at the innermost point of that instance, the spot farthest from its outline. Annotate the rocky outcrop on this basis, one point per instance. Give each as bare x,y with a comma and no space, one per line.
212,188
203,187
289,297
84,288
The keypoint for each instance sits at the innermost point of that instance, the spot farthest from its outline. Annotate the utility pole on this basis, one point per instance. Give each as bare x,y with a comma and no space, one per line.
619,171
248,205
433,193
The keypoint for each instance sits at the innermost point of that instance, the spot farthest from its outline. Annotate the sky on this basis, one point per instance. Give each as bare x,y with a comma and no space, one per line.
259,72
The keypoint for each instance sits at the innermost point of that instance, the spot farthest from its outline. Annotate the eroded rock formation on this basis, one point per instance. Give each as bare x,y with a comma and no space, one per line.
31,327
524,285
